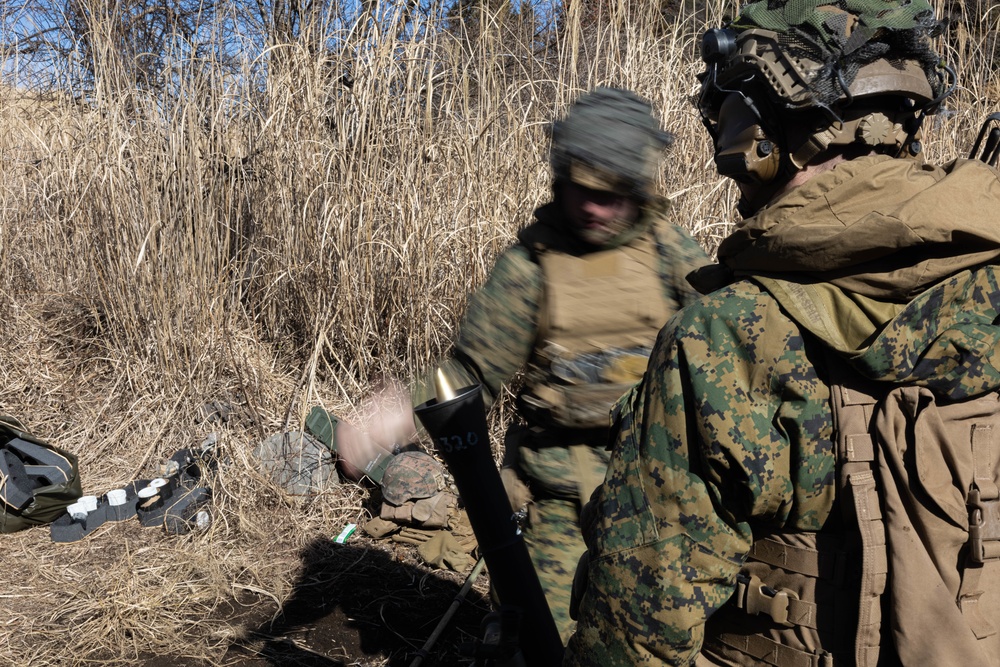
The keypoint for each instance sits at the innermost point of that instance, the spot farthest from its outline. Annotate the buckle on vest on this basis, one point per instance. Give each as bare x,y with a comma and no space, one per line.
984,528
755,597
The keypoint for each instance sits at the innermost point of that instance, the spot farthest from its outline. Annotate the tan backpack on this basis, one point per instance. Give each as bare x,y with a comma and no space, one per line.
929,502
913,577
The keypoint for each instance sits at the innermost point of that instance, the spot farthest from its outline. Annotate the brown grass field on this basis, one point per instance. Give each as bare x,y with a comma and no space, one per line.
284,244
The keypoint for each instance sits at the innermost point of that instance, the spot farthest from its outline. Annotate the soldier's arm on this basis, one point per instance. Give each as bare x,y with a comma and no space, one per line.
699,452
680,254
498,331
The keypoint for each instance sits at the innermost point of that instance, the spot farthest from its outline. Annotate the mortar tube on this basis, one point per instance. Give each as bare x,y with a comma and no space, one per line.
458,428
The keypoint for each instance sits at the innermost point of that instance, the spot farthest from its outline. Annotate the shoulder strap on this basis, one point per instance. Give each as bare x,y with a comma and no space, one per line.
853,409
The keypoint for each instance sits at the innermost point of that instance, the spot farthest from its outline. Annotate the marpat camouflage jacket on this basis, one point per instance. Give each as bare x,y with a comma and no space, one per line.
889,265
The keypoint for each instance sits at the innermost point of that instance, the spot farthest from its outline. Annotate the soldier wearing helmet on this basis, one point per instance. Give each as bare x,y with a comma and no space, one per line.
798,479
576,304
782,93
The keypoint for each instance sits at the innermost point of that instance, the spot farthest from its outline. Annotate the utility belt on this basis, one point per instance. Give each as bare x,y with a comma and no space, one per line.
573,409
543,437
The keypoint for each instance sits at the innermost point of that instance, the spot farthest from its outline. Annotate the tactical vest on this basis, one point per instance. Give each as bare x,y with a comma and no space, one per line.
599,316
911,574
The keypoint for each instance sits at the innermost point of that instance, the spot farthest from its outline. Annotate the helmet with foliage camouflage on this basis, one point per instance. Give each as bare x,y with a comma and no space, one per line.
791,78
610,141
412,476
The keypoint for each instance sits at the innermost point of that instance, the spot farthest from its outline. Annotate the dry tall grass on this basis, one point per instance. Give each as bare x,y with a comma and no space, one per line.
277,243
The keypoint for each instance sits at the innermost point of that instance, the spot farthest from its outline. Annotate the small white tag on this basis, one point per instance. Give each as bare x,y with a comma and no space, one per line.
346,533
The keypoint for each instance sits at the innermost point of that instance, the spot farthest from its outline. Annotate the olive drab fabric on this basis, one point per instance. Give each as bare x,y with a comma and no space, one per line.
724,456
838,27
51,478
830,19
610,140
842,32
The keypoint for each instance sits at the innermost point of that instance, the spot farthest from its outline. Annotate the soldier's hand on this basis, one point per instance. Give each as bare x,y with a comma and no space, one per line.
387,416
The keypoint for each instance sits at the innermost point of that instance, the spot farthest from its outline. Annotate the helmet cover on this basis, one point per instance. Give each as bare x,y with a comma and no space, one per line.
412,476
860,71
611,141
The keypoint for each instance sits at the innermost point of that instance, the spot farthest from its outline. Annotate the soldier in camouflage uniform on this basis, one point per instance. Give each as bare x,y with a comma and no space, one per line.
854,258
577,303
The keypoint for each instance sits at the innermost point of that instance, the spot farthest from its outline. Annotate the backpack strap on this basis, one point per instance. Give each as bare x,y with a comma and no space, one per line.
984,497
853,408
984,530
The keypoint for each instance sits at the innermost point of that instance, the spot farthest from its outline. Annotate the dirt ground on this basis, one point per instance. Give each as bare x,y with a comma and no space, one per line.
363,603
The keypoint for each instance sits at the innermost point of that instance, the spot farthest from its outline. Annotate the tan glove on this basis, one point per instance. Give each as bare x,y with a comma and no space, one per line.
461,528
443,550
433,512
430,512
402,514
379,528
414,536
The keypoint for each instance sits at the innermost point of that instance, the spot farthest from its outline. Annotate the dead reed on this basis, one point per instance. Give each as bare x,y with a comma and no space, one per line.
278,235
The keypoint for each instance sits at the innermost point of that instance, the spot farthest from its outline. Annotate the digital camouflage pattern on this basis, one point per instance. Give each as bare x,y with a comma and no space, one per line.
890,264
555,547
609,141
498,336
412,476
499,331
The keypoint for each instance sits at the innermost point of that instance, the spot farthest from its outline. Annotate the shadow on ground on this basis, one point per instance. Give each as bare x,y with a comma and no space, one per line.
353,605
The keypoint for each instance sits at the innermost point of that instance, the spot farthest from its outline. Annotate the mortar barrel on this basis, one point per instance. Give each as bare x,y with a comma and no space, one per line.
458,429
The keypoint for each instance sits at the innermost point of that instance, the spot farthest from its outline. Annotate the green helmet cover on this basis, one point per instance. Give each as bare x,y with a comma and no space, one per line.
842,36
609,140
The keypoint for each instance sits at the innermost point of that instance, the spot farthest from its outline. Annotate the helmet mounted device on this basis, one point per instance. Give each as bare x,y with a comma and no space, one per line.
792,96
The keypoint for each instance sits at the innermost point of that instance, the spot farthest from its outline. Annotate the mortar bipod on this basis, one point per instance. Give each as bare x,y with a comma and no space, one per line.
498,644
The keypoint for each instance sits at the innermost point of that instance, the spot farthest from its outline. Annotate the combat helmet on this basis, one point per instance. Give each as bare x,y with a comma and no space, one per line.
807,75
610,141
412,476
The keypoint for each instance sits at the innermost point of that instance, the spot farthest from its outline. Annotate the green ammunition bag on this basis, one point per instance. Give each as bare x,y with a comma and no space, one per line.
37,481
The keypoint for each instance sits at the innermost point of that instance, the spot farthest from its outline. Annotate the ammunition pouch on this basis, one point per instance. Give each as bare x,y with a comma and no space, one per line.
559,463
580,406
432,512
